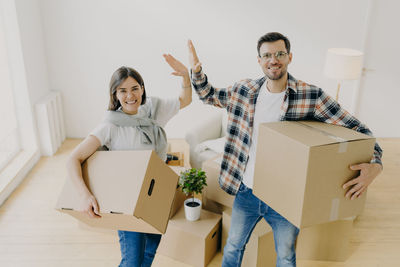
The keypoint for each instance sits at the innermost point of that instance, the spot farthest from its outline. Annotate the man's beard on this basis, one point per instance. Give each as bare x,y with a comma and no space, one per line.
274,78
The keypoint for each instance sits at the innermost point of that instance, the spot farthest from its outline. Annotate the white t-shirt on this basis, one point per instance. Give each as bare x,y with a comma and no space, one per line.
128,138
268,109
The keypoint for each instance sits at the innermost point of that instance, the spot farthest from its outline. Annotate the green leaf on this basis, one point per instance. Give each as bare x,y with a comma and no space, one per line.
192,180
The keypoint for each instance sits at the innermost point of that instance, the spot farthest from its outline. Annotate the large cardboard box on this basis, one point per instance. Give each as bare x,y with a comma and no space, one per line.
194,243
325,242
134,189
260,250
301,167
213,190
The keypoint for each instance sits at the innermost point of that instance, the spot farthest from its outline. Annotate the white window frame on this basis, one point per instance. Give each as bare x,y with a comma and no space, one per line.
16,170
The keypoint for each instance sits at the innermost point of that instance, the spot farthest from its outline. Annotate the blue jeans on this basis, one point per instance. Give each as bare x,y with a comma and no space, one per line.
137,249
247,211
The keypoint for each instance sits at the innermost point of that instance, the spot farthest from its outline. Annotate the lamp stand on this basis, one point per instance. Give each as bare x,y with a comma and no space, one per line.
337,92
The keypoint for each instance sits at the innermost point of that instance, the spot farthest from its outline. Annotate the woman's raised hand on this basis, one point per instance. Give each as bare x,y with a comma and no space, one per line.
194,62
176,65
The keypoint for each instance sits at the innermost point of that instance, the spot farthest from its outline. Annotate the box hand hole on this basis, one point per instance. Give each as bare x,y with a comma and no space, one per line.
213,234
151,187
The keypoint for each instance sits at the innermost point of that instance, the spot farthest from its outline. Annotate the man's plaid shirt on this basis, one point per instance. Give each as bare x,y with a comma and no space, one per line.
302,101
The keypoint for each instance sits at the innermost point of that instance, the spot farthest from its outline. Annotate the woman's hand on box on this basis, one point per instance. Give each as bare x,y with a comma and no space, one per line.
358,185
90,206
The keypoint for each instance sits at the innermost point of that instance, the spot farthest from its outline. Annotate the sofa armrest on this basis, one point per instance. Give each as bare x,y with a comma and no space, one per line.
205,129
209,128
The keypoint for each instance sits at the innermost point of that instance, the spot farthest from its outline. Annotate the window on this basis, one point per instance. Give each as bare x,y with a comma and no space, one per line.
9,134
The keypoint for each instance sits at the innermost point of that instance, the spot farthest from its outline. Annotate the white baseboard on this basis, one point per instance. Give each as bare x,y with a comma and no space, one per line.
15,172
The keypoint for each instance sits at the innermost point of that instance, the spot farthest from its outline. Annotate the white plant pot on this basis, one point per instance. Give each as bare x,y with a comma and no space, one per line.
192,213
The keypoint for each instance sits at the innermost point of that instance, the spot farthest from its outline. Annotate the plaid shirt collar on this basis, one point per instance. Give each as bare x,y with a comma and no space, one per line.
291,83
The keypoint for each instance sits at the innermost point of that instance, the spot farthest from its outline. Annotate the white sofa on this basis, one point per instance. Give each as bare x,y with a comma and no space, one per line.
202,126
207,137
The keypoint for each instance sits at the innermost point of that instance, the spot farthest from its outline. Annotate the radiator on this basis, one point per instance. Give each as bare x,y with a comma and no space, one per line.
50,123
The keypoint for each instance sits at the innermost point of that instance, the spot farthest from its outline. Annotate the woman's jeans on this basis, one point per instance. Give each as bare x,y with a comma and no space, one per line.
137,249
247,211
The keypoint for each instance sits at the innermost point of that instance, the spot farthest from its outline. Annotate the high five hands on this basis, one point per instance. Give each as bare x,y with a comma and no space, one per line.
178,67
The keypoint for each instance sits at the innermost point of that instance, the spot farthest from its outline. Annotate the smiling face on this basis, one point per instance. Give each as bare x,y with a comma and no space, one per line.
272,67
129,94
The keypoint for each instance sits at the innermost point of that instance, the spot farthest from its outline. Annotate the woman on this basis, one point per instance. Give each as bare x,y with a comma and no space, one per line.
133,122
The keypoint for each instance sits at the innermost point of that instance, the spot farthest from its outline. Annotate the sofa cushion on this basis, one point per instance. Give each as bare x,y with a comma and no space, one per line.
216,145
207,150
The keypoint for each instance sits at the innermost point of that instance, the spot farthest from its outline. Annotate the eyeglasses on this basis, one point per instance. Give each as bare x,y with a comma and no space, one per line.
278,55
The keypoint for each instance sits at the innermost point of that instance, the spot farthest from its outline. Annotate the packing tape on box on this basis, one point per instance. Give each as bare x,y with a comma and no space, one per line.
334,209
342,142
343,147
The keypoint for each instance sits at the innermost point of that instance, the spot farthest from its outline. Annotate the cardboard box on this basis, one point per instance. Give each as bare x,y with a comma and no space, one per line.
325,242
213,190
176,162
193,243
179,147
301,167
134,189
260,250
213,206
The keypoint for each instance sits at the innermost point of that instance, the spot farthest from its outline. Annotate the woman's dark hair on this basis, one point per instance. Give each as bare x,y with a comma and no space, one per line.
273,37
118,77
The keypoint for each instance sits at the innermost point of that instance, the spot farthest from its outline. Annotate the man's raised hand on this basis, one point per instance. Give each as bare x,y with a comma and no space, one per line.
194,62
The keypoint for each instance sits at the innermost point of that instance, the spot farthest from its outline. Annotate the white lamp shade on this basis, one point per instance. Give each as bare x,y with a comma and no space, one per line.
343,64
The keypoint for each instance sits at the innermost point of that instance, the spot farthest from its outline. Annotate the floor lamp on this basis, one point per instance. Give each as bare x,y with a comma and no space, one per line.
343,64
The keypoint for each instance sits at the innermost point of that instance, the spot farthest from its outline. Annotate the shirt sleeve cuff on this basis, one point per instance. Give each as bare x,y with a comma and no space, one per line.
376,160
197,76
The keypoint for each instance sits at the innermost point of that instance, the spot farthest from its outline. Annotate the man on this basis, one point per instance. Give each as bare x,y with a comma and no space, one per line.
277,96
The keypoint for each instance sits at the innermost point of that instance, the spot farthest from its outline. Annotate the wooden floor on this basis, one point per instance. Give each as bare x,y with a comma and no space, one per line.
32,233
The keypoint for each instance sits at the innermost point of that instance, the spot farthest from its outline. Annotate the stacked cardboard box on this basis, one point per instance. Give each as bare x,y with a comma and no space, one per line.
326,241
180,148
194,243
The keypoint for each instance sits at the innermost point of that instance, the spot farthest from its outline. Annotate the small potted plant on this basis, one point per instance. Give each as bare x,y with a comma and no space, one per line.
192,181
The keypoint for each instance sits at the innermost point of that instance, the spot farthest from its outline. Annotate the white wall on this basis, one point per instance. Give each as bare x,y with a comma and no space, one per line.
87,40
